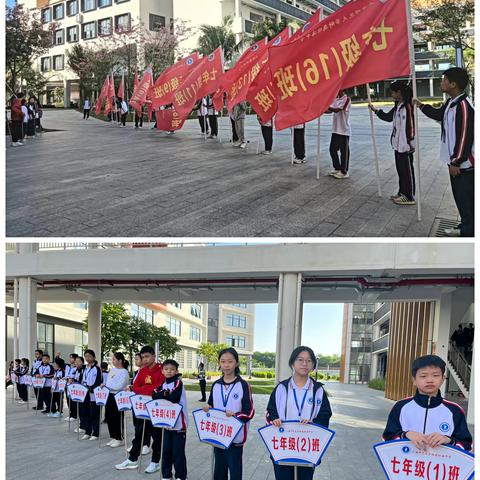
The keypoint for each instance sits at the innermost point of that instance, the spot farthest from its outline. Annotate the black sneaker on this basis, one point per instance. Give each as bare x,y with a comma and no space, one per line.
35,408
45,411
202,400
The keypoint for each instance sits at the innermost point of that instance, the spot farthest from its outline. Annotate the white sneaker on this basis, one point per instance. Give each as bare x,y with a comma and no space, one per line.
266,152
21,402
298,161
129,448
70,419
85,437
109,443
341,175
56,415
79,430
333,173
236,144
152,468
116,443
145,450
126,465
93,437
452,232
17,144
242,145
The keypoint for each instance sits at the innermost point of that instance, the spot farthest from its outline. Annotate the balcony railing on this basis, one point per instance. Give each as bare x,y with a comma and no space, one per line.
381,312
380,344
460,364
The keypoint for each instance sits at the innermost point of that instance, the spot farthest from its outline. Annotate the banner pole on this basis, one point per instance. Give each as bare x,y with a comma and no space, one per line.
38,394
205,125
100,427
218,127
51,397
291,160
318,148
295,472
213,463
28,397
69,403
161,449
78,420
13,389
61,406
258,140
415,109
141,448
374,142
125,432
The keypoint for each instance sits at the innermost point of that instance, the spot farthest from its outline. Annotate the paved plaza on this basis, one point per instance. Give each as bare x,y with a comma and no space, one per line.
38,444
88,178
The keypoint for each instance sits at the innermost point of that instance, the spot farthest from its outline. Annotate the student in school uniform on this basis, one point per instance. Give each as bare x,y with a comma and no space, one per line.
104,369
149,377
35,366
267,134
15,376
139,118
202,116
123,111
86,109
232,394
59,369
298,398
341,132
16,120
26,118
22,387
402,140
92,378
70,370
44,395
202,382
232,122
212,116
239,113
32,111
78,378
173,439
117,379
299,144
457,116
427,419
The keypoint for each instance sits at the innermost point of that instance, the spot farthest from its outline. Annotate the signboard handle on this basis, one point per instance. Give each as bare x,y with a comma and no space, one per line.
295,473
100,428
13,390
36,398
60,407
161,448
213,463
141,447
125,432
28,397
51,400
78,420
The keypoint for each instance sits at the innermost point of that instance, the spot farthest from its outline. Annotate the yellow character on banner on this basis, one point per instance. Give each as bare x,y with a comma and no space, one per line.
176,122
180,98
213,74
174,83
311,72
285,82
205,76
382,30
264,99
158,92
350,51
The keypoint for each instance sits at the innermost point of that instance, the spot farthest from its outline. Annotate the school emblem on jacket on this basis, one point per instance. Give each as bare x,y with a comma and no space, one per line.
235,396
310,400
444,427
319,401
148,380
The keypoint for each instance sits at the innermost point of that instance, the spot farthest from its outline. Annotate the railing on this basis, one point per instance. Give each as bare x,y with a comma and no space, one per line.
381,312
380,344
460,365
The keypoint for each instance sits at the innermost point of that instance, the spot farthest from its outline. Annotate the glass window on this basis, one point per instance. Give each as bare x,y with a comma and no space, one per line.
58,62
72,7
189,359
156,22
46,15
72,36
122,22
88,30
177,305
236,341
240,305
45,338
121,1
88,5
58,11
195,334
196,310
143,313
239,321
105,26
174,326
59,37
212,322
45,64
104,3
180,358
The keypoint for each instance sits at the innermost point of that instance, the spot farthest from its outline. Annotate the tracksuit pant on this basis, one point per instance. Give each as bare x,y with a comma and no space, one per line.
155,434
299,143
340,143
464,194
174,454
229,460
267,134
406,174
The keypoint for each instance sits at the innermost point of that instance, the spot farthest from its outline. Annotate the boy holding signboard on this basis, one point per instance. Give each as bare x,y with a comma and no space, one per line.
57,408
45,371
174,439
232,394
22,387
427,419
298,398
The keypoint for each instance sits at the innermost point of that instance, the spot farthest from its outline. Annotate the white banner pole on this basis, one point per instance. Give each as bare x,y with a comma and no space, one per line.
141,447
100,427
318,148
125,432
374,142
291,160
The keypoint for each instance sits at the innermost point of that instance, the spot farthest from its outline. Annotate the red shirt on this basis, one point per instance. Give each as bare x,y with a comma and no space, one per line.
148,379
17,113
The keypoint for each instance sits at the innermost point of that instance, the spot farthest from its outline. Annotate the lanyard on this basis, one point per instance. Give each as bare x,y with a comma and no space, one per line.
226,397
300,409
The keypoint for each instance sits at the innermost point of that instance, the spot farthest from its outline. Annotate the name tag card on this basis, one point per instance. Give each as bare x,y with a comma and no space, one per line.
295,443
401,459
101,395
77,392
38,382
123,400
163,413
139,406
215,428
28,380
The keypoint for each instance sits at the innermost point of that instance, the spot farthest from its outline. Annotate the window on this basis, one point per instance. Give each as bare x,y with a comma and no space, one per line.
104,3
254,17
236,341
88,30
105,26
88,5
239,305
46,15
196,310
58,62
189,359
177,305
174,326
122,22
212,322
180,358
195,334
45,338
72,7
121,1
156,22
58,12
72,34
79,341
143,313
59,37
45,64
239,321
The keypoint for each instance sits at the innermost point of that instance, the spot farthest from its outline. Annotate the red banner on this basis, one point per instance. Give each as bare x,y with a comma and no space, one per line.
110,95
103,94
170,79
255,49
311,22
202,80
135,80
121,89
169,120
140,93
364,41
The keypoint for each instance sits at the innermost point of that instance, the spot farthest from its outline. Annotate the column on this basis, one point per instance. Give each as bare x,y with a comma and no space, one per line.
278,17
237,22
432,90
27,317
66,94
441,329
289,321
95,327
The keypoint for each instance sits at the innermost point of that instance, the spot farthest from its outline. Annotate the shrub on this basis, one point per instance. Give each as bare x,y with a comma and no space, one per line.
377,383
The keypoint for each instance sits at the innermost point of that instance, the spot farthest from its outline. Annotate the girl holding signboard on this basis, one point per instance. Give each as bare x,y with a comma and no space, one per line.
78,378
59,368
22,387
232,394
92,378
117,380
298,398
45,371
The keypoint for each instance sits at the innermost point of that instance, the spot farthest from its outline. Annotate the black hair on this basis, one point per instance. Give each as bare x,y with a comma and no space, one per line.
120,356
147,349
46,355
26,361
297,351
428,361
17,360
73,355
458,75
80,358
60,362
170,361
39,351
201,365
104,365
138,355
232,351
90,351
404,88
21,95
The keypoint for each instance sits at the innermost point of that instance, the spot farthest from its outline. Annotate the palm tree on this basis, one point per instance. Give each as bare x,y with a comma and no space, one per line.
270,28
214,36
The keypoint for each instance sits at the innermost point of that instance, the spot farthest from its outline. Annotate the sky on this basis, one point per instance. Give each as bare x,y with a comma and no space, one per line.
322,326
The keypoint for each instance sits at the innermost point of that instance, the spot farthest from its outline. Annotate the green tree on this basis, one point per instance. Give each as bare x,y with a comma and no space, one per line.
214,36
210,352
264,359
270,28
324,360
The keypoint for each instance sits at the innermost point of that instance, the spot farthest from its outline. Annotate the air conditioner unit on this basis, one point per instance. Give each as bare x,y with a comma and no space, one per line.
79,18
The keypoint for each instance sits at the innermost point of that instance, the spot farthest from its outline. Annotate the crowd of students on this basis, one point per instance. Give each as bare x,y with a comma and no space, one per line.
25,118
299,398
